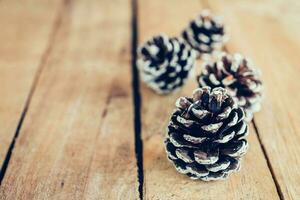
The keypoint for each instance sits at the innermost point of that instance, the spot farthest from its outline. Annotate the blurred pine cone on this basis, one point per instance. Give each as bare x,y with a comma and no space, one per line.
205,34
206,135
165,63
239,77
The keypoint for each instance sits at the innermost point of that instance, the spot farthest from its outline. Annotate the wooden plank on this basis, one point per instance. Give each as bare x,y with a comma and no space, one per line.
254,181
24,36
77,141
266,31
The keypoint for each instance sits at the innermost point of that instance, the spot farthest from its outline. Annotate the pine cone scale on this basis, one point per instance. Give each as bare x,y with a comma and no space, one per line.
239,77
205,34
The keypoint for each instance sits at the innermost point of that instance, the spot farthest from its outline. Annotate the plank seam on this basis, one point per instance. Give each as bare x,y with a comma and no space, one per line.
277,185
56,24
136,100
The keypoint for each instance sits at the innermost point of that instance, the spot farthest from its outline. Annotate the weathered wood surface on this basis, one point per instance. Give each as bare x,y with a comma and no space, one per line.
77,140
65,68
24,37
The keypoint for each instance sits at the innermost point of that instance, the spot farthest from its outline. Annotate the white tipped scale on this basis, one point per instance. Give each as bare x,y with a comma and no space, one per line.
170,86
234,66
189,66
233,167
218,20
190,36
238,58
218,166
169,154
204,47
177,81
244,134
226,138
232,92
255,107
201,81
175,142
174,61
241,101
205,13
197,172
225,113
217,45
194,140
228,80
216,37
172,74
184,55
214,178
199,21
183,155
207,24
248,115
213,79
213,128
182,103
161,84
200,114
239,152
234,120
153,50
176,47
242,129
185,122
177,68
197,93
181,170
203,158
203,38
220,65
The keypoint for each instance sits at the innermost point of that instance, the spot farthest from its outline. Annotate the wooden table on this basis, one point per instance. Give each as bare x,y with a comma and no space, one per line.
76,123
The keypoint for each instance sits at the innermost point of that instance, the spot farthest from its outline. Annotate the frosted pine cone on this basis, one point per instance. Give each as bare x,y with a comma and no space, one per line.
165,63
205,34
239,77
206,135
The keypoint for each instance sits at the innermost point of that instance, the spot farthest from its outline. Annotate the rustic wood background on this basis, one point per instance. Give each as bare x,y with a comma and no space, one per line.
76,123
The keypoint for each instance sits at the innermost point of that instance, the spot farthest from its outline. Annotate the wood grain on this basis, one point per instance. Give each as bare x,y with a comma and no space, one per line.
24,38
77,140
254,181
274,46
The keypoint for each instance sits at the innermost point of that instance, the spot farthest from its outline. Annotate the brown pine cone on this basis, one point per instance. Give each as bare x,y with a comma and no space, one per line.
237,74
206,135
165,64
205,34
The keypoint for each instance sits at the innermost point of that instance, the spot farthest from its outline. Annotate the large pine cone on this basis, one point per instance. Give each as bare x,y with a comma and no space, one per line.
239,77
206,135
205,34
165,63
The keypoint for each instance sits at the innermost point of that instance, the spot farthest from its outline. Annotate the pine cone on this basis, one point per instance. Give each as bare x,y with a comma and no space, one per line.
206,135
239,77
165,63
205,34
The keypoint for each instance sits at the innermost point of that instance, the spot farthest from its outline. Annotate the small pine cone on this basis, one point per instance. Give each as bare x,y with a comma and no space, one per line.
239,77
205,34
206,135
165,63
